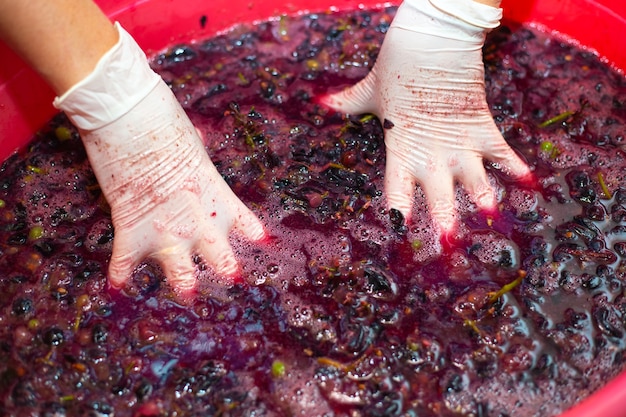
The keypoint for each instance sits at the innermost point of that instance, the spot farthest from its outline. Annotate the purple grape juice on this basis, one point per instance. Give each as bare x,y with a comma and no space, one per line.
345,311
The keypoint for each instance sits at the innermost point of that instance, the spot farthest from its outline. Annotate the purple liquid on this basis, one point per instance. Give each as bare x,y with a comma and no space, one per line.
343,311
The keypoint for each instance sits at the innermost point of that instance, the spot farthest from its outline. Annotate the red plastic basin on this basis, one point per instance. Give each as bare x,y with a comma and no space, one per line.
25,100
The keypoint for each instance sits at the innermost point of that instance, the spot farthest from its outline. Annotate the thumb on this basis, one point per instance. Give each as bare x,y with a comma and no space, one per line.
357,99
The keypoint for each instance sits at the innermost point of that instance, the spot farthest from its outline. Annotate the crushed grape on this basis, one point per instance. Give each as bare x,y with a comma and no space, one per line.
348,310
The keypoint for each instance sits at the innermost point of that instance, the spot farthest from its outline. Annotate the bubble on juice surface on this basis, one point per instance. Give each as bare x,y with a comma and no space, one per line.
303,315
570,155
425,243
296,243
520,201
459,267
493,249
51,207
423,234
100,236
295,384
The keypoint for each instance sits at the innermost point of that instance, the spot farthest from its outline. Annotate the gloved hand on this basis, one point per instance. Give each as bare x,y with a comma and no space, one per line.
427,86
167,199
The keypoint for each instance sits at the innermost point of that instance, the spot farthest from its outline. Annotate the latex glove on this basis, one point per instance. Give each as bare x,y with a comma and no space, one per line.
428,87
167,199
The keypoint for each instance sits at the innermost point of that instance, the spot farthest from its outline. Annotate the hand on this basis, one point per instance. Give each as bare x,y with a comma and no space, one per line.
167,199
428,88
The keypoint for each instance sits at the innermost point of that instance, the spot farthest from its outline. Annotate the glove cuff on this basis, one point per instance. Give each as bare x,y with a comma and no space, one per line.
120,80
447,18
471,12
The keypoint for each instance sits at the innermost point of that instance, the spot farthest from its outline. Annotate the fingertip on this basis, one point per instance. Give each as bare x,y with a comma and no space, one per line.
186,296
520,171
232,278
180,273
227,264
120,270
251,227
333,101
446,221
492,212
219,255
513,165
357,99
443,211
115,285
527,178
201,135
486,200
401,203
483,194
399,188
323,99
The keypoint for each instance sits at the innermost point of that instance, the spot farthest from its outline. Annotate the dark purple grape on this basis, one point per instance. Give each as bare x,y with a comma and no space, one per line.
22,306
362,311
53,336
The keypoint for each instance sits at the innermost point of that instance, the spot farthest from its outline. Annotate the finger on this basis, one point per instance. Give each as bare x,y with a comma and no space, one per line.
505,158
511,164
122,263
476,182
357,99
399,186
218,253
439,191
178,267
201,136
249,225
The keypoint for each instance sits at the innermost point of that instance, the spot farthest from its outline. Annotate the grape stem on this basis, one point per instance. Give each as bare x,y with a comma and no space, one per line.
605,189
508,287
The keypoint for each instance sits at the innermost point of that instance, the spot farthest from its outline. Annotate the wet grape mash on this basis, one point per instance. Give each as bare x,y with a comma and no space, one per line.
346,310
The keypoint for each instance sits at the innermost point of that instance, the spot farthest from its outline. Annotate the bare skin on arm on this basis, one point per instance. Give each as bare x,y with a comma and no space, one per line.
66,26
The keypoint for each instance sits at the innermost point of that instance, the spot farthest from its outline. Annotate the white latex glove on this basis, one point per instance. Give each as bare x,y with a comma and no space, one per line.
167,199
428,81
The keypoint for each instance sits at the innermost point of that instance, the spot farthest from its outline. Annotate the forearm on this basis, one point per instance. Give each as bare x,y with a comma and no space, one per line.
61,39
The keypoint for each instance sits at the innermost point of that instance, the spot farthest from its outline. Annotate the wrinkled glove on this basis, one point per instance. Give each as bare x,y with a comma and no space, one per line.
168,201
428,87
